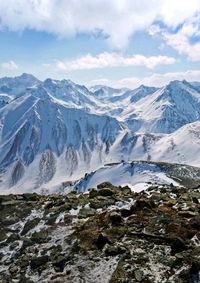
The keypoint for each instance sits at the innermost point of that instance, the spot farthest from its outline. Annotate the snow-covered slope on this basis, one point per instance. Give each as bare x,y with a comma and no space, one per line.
40,137
138,175
57,131
166,110
145,109
152,110
182,146
73,94
17,85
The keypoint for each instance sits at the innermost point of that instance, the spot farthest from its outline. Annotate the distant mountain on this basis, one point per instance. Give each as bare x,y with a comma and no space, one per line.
66,90
57,131
165,110
41,135
17,85
99,90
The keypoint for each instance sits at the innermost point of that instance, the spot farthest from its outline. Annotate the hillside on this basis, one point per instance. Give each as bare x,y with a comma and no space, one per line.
54,132
108,235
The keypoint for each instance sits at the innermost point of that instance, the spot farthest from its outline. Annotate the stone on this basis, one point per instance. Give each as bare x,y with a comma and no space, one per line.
178,245
30,224
101,241
187,214
13,237
3,235
51,219
141,204
114,250
125,212
93,193
115,217
86,212
26,243
105,185
138,275
59,262
40,237
13,246
105,192
195,223
38,261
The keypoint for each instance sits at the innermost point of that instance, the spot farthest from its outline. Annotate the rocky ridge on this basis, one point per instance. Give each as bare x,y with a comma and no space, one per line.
111,234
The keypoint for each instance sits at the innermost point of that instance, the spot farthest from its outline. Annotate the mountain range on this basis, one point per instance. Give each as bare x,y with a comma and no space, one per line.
57,132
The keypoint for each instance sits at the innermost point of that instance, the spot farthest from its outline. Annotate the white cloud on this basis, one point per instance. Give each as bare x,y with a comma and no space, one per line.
156,80
113,60
180,40
11,65
117,19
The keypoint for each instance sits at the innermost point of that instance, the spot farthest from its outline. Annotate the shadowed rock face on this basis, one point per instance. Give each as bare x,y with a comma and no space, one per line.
17,173
76,133
71,158
47,167
86,153
31,150
59,135
15,147
92,135
108,134
128,142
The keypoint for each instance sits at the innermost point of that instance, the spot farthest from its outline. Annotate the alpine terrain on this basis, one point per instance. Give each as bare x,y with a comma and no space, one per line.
100,184
57,135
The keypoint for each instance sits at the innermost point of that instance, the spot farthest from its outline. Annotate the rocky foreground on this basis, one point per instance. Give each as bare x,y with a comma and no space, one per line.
107,235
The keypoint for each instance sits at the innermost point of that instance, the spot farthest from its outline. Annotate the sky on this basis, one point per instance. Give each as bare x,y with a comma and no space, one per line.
119,43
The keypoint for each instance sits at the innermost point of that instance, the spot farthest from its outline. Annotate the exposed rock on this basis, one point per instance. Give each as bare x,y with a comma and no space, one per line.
138,275
40,237
30,224
86,212
114,250
115,217
105,192
148,237
38,261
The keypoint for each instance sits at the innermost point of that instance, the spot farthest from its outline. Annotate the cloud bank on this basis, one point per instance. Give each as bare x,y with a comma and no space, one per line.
115,19
157,80
113,60
11,65
182,39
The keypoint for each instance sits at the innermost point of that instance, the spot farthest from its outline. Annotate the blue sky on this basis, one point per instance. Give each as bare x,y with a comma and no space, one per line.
116,42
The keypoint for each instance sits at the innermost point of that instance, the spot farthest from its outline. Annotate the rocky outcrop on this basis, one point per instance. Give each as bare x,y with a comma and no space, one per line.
111,234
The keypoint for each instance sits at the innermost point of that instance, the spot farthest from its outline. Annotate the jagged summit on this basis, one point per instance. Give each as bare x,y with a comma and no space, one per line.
54,131
166,110
141,92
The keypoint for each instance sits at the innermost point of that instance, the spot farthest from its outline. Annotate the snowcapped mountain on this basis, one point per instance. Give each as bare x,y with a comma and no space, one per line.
165,110
17,85
73,94
196,85
54,131
103,92
39,130
153,110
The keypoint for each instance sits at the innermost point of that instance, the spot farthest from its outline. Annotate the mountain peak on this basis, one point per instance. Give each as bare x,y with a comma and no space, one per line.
26,76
